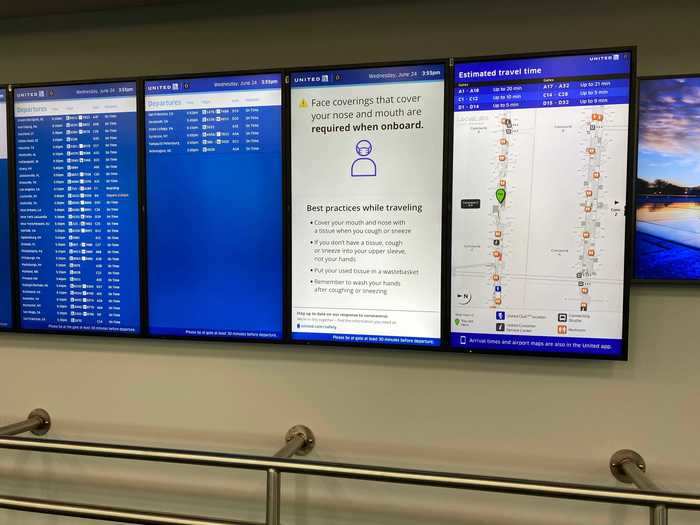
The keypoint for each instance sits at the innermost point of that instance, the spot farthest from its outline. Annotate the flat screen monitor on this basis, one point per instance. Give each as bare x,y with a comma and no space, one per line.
540,185
6,295
214,206
667,243
76,159
366,202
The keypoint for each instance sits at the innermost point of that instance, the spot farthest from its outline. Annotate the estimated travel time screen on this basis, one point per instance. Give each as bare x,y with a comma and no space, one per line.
540,180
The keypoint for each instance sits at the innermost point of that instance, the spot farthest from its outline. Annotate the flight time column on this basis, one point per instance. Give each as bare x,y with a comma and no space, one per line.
59,162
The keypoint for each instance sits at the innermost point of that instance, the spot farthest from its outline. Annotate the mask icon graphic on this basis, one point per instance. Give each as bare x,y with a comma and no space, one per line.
363,166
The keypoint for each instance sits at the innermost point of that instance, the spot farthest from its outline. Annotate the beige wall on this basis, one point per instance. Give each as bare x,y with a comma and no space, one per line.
525,417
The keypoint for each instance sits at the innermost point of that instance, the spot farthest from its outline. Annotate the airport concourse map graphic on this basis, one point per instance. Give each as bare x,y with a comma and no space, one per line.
538,207
515,253
668,184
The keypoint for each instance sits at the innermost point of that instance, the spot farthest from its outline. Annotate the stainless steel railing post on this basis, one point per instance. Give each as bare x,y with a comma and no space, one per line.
300,440
38,422
629,467
274,493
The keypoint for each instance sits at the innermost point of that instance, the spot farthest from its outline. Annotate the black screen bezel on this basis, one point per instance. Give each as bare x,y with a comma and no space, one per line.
641,280
629,210
11,205
13,174
445,63
446,228
146,332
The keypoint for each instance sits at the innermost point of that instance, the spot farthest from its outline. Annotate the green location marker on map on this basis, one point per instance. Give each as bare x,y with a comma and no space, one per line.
500,195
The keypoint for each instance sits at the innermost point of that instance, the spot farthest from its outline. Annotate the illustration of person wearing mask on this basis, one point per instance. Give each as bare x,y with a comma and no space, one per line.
363,166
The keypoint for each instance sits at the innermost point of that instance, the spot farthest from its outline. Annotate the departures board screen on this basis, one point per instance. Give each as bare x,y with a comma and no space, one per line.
367,147
539,196
77,207
214,206
6,295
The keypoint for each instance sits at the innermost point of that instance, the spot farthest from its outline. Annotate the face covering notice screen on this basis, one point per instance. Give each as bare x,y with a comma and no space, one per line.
367,164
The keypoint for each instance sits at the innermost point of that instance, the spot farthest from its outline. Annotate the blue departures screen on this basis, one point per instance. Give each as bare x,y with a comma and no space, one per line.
667,243
214,206
5,247
540,179
77,205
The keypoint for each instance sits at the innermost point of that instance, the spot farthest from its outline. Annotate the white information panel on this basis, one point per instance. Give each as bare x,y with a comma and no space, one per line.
367,182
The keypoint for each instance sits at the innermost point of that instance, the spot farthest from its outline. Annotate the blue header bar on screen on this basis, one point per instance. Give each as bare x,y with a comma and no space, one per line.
214,84
77,91
3,95
613,63
373,75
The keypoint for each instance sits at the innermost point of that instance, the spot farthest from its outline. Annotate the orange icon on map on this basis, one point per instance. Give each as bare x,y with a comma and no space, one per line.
561,329
596,174
591,151
497,233
503,142
591,253
597,117
589,193
586,235
496,277
584,291
501,158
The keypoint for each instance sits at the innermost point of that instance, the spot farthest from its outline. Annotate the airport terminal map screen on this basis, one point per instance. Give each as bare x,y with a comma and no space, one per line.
77,207
667,244
540,180
366,168
5,241
214,206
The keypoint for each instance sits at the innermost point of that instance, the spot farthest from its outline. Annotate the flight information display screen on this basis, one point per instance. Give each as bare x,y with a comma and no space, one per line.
540,182
5,241
667,245
367,149
214,206
77,207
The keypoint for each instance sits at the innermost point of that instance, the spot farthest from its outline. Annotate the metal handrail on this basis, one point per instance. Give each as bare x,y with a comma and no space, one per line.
115,515
300,440
367,473
38,422
629,467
